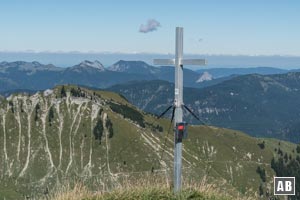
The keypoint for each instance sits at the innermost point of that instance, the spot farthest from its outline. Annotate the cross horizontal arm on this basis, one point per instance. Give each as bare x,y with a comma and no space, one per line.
183,62
164,61
193,62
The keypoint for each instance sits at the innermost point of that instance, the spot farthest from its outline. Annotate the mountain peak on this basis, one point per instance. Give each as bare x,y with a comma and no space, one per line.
36,63
30,67
96,64
136,67
206,76
136,62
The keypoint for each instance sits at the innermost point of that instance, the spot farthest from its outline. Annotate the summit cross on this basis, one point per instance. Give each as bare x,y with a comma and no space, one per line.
178,62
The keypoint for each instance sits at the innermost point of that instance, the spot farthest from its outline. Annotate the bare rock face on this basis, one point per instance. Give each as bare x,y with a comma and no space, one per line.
96,64
205,77
54,136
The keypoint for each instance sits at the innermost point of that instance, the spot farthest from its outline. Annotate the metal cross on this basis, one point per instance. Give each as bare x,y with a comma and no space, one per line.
178,98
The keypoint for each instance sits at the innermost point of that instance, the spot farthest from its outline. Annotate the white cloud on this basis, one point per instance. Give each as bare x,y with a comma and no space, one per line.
151,25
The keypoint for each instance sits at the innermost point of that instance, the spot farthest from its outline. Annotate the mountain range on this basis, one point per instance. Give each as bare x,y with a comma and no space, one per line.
223,72
68,134
36,76
260,105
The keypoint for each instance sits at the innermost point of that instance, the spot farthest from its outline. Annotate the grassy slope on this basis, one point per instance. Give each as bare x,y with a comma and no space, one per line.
222,157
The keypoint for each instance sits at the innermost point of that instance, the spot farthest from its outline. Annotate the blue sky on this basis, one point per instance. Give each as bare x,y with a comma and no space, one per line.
211,27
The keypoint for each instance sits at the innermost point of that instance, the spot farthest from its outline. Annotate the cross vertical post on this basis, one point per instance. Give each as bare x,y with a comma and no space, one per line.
178,99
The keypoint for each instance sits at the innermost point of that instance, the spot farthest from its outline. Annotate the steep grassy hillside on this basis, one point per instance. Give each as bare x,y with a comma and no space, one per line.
72,134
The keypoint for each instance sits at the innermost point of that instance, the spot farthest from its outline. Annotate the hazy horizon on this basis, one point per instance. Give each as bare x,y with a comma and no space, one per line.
68,59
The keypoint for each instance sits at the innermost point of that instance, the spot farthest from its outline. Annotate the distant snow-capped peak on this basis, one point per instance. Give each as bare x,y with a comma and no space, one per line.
204,77
96,64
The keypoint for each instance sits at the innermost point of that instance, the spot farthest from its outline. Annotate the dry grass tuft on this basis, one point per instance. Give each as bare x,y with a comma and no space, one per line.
146,188
66,192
